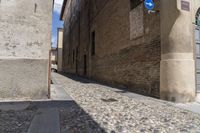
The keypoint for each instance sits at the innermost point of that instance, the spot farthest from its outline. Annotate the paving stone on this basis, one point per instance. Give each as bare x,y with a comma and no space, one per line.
46,120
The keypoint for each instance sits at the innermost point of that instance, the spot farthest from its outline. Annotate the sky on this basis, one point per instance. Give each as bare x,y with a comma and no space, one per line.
56,21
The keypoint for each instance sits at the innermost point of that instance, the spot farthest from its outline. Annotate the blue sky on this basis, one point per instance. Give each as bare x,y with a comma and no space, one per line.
56,21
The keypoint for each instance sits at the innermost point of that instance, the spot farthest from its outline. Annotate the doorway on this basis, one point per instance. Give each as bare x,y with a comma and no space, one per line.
85,65
77,53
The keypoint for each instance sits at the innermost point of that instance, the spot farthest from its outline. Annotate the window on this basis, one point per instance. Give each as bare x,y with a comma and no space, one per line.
135,3
77,52
68,58
93,43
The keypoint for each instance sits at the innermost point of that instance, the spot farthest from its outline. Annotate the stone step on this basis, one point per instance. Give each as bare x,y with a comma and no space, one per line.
46,120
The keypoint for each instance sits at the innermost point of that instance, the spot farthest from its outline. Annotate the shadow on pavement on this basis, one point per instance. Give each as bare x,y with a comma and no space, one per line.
77,78
113,86
73,119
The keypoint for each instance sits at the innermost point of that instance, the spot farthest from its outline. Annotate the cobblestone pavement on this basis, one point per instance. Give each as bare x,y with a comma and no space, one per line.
116,113
75,120
15,121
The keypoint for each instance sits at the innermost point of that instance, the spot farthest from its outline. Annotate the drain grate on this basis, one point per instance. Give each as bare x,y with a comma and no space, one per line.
109,100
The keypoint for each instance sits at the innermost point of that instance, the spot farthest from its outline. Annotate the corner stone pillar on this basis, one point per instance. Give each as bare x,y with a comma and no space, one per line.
177,72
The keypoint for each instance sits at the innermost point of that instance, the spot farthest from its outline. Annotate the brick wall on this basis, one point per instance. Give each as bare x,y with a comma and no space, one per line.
127,50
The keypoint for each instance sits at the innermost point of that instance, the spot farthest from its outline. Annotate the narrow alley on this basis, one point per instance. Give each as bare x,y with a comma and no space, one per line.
116,112
80,105
100,66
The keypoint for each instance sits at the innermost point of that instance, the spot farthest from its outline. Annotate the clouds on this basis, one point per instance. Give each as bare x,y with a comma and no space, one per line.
59,2
58,6
56,21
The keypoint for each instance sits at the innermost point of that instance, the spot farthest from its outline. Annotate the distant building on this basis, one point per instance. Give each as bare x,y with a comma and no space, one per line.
25,34
54,56
60,49
120,43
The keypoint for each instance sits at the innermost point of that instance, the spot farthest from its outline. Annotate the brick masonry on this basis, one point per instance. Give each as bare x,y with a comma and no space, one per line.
127,50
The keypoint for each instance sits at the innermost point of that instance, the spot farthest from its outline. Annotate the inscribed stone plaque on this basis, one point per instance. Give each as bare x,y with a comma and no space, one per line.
185,5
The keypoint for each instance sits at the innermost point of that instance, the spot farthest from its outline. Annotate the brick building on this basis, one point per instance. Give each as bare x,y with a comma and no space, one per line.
60,48
120,43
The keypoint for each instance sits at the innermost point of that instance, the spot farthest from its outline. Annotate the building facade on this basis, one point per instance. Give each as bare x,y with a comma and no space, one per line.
60,49
25,34
54,56
121,43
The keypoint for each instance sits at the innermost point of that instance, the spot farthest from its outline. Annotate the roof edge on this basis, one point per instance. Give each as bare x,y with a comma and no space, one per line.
63,9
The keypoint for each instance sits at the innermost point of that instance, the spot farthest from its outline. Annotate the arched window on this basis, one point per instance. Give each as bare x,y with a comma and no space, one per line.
198,17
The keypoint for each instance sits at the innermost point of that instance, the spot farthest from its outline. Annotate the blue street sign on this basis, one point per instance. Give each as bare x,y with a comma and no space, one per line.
149,4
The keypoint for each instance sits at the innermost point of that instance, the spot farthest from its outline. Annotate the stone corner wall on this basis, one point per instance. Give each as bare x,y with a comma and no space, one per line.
25,34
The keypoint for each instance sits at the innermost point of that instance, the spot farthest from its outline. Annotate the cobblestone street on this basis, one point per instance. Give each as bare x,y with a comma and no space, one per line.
118,113
15,121
89,107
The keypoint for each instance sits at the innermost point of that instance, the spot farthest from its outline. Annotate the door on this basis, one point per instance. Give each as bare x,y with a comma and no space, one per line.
77,60
85,65
197,39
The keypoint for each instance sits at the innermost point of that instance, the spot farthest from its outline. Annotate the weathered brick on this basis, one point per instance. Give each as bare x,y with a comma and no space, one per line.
126,54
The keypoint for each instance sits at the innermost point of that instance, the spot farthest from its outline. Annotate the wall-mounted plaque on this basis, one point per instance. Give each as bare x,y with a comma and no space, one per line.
185,5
